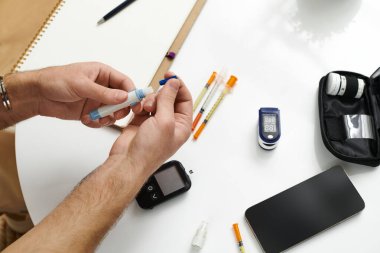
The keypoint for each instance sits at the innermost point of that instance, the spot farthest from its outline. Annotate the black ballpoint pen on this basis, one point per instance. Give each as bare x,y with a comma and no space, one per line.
115,11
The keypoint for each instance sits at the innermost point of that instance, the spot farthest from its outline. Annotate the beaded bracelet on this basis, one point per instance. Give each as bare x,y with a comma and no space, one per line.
4,95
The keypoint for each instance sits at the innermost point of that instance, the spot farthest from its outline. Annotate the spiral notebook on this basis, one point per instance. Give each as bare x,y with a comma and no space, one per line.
135,41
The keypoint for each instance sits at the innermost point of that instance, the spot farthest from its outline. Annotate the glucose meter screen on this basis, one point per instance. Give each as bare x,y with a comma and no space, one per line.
169,180
269,123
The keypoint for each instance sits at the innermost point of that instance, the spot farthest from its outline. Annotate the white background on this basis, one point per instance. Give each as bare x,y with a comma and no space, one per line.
279,50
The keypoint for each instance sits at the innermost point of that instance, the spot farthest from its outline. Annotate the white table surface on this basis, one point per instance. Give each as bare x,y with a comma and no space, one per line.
279,50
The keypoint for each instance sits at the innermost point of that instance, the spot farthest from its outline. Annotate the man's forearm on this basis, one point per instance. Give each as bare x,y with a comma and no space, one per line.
80,222
22,92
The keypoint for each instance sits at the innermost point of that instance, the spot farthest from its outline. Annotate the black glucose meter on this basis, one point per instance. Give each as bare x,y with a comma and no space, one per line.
167,182
269,127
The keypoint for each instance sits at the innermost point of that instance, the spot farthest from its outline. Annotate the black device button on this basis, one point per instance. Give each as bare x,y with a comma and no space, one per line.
154,196
150,187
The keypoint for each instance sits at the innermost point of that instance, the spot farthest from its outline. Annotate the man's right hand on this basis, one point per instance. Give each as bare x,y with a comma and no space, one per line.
159,129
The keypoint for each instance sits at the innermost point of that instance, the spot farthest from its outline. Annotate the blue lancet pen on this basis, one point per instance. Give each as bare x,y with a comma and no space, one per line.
133,98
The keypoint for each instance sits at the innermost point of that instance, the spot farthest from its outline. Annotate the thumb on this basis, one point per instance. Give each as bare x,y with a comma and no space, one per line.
166,98
103,94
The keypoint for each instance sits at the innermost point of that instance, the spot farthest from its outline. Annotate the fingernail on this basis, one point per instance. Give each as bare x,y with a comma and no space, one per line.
86,120
174,84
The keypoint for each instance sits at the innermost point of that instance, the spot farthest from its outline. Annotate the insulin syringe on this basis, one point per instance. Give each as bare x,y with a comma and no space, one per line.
133,98
218,81
229,85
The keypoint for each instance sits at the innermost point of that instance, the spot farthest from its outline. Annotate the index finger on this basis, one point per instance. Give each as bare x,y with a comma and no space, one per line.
113,78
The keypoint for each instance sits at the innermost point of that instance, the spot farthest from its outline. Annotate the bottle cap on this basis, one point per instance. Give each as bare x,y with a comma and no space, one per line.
343,86
361,85
200,236
333,84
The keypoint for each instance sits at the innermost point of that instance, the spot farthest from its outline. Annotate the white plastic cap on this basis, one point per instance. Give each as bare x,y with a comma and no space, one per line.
361,86
221,76
333,84
343,85
200,236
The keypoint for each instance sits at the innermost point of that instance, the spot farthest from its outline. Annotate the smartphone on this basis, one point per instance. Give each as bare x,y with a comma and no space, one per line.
168,181
304,210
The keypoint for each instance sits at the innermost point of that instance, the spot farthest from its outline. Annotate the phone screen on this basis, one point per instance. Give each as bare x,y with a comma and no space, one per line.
304,210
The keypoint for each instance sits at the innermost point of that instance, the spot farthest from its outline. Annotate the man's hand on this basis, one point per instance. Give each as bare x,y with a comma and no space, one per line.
161,126
73,91
66,92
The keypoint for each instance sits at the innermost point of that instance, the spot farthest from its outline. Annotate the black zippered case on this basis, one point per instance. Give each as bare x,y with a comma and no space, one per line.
332,110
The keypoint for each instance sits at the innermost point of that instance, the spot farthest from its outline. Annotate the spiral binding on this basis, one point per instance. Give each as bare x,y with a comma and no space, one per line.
38,36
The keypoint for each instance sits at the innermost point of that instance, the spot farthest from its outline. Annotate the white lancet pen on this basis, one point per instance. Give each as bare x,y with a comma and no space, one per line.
134,97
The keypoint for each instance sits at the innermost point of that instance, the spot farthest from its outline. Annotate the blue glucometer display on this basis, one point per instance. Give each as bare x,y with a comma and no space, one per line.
269,127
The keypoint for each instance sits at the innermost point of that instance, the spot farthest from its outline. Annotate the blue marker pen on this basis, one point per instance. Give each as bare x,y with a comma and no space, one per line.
133,97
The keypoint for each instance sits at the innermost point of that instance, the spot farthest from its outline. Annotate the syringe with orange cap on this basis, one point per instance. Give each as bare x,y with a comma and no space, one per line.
204,90
238,237
229,85
219,80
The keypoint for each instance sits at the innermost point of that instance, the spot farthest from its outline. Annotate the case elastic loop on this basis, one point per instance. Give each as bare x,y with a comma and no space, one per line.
335,130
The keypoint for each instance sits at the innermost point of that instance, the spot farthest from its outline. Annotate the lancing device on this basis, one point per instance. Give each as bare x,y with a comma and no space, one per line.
133,98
